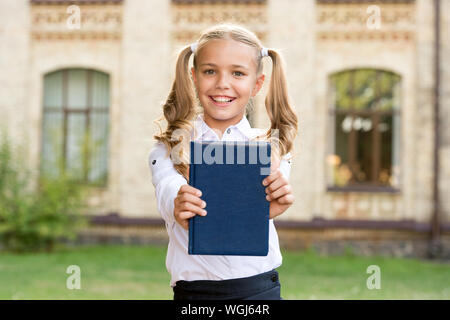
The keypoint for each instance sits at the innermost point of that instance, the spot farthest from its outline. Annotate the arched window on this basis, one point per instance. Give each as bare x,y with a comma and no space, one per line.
76,125
364,127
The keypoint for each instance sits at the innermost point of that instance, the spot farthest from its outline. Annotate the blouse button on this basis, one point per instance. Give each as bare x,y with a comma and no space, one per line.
228,130
154,161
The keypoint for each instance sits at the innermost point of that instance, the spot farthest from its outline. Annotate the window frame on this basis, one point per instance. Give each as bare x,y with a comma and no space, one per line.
87,111
375,116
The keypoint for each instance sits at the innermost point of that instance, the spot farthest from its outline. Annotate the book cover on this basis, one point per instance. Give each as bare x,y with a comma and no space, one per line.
230,174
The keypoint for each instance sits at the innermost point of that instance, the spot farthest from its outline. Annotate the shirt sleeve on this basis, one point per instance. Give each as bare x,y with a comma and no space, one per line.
285,165
166,180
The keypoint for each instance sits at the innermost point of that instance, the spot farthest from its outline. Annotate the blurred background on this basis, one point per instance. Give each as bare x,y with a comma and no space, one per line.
81,83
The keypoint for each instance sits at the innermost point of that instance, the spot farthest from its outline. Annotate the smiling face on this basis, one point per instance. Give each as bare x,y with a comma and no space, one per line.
225,79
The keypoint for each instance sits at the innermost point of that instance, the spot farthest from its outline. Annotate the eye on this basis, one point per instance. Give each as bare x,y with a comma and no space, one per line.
238,73
208,71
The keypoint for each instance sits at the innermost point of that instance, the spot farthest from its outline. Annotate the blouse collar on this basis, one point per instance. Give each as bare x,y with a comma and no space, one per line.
243,126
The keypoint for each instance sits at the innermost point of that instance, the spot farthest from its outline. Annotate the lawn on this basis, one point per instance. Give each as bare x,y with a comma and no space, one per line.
125,272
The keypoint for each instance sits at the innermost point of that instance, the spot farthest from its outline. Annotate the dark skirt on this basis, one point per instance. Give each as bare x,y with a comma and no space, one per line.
264,286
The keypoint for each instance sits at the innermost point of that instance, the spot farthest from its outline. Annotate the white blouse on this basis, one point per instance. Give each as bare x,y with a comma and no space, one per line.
167,182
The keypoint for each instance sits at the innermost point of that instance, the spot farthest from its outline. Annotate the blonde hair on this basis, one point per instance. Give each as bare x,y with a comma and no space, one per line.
179,109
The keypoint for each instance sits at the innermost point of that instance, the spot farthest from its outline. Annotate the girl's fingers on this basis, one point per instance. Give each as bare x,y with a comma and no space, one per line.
287,199
188,197
184,215
189,189
286,189
187,206
183,218
276,184
274,175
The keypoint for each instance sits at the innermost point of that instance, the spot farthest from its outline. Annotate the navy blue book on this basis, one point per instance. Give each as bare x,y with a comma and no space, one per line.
230,175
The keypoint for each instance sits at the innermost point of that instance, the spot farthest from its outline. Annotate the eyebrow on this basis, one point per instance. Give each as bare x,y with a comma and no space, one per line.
233,65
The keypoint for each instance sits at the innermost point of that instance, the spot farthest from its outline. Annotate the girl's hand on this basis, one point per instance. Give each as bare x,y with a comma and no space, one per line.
188,204
279,193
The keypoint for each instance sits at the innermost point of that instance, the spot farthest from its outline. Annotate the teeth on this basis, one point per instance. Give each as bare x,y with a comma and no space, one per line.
221,99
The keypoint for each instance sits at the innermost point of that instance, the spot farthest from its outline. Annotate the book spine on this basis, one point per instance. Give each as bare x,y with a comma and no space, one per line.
191,183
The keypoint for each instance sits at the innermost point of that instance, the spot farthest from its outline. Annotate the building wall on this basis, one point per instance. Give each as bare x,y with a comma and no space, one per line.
351,44
14,64
444,153
52,47
146,72
423,112
137,47
294,35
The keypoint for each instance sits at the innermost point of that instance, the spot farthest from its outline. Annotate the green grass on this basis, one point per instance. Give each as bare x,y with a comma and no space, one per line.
132,272
310,276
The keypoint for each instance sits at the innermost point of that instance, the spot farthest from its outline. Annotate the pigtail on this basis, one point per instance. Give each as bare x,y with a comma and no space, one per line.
281,114
179,110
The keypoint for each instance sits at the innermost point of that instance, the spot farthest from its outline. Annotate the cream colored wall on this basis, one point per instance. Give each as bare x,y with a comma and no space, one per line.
422,135
146,78
292,30
14,63
334,57
24,65
50,56
101,53
444,179
310,62
141,68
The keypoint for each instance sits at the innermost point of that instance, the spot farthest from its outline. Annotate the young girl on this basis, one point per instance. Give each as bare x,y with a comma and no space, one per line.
227,73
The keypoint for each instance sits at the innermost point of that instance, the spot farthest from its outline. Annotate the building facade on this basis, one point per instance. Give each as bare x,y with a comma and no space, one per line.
362,77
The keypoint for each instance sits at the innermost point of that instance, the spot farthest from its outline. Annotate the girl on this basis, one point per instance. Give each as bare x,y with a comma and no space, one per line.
227,73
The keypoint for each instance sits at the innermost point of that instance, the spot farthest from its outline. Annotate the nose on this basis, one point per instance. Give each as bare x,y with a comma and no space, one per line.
222,81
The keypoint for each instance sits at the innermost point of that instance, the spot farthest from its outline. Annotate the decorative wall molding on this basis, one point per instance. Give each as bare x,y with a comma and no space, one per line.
351,22
216,1
97,22
362,35
188,20
362,1
77,2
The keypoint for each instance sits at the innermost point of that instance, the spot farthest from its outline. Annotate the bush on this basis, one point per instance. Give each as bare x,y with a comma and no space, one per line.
40,216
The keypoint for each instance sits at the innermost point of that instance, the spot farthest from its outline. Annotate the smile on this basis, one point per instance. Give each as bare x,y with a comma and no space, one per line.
222,100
